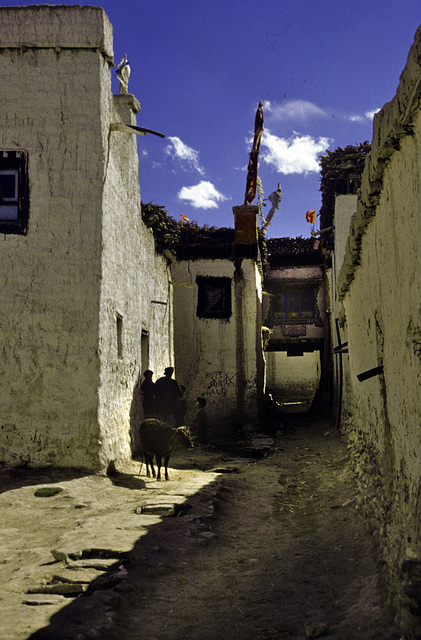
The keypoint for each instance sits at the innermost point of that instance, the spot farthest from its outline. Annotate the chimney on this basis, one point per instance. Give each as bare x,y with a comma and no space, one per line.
245,220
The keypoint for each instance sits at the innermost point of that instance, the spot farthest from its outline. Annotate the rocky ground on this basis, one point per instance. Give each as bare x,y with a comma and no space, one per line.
236,545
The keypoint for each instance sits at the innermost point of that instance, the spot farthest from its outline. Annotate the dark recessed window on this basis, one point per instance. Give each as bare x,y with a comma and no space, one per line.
214,297
14,197
119,327
294,304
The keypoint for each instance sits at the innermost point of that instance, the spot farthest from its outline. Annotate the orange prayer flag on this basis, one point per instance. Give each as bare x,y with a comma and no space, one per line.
311,216
184,218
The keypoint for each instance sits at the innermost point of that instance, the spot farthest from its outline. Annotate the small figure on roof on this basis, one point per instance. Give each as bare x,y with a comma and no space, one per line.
123,75
275,200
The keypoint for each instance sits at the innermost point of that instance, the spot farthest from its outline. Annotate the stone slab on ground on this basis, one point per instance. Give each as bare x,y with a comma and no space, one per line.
77,574
110,531
75,513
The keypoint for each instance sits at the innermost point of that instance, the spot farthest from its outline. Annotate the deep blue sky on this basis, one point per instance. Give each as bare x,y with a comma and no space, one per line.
199,69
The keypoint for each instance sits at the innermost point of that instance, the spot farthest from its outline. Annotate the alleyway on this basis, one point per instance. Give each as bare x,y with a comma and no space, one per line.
275,549
288,556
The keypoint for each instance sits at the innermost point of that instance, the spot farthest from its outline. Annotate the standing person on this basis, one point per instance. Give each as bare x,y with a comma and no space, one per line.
148,394
181,407
201,421
167,392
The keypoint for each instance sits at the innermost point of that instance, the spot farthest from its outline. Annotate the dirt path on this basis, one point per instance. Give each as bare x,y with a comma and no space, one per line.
276,551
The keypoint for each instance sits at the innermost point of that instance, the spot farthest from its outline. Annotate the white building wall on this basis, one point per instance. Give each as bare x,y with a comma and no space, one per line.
135,292
70,395
380,287
220,360
345,208
382,308
50,294
293,381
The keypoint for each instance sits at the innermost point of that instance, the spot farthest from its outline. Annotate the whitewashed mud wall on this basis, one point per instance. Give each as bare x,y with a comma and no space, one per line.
135,291
380,287
345,208
50,293
67,387
293,381
220,360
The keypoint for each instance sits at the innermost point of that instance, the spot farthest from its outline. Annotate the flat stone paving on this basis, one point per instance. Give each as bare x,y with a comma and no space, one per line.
59,534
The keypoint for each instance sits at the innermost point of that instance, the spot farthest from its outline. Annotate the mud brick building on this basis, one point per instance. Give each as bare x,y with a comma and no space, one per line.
79,270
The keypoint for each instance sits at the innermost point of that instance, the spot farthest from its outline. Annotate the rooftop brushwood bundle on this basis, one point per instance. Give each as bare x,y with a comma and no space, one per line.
341,172
189,241
165,229
290,246
293,252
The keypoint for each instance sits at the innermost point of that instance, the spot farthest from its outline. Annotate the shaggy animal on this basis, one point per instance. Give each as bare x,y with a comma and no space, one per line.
160,440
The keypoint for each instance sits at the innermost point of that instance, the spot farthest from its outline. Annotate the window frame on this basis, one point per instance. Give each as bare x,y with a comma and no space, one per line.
284,310
205,284
15,162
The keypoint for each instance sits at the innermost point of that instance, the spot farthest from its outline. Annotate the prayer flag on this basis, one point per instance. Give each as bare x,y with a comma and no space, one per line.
311,216
184,218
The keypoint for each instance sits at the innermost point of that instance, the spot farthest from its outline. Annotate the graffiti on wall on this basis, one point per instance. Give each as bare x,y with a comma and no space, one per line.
219,383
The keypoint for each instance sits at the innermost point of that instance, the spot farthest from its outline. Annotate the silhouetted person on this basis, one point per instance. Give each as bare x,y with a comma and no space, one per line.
181,407
167,392
201,421
148,394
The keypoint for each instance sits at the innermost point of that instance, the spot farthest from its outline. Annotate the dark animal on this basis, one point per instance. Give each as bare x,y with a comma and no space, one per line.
160,440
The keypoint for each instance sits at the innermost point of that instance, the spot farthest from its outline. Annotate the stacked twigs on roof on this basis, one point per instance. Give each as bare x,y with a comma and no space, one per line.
189,241
289,246
341,172
165,229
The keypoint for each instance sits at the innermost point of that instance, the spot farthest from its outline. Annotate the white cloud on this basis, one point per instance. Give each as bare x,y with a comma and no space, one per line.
357,118
202,195
299,110
177,149
369,115
297,154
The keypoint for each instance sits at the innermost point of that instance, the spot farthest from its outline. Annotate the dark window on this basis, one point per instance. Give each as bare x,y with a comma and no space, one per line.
14,198
214,297
294,304
119,327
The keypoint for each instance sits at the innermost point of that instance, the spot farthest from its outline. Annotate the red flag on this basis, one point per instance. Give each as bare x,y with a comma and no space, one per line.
311,216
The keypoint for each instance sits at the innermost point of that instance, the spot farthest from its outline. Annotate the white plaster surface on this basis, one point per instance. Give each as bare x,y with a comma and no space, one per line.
292,381
380,286
45,26
219,359
345,207
68,398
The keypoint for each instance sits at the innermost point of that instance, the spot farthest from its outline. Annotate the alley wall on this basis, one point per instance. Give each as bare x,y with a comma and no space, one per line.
136,298
379,286
220,359
50,295
79,322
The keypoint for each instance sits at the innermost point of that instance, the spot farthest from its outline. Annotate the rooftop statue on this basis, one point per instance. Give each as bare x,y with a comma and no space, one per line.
275,200
123,75
254,157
